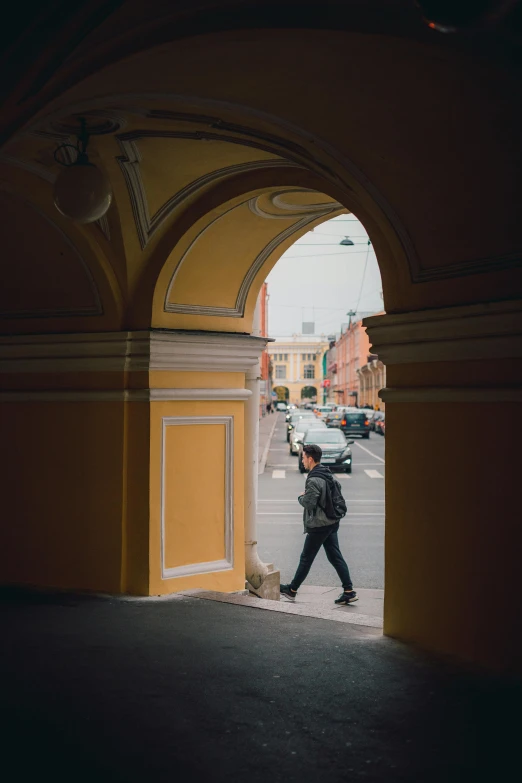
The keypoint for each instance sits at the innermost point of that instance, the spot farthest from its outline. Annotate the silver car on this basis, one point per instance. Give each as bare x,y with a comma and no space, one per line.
300,430
294,418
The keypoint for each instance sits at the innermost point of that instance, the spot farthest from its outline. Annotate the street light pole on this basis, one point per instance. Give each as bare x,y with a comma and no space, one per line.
350,314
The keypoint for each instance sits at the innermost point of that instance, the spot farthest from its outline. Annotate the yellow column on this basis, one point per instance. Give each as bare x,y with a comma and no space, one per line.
452,507
125,469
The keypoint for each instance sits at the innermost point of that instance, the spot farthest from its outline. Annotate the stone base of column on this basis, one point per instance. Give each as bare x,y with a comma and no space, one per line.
270,587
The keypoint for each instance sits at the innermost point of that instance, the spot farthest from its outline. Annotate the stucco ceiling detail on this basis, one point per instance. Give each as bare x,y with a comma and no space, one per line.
131,163
284,204
249,223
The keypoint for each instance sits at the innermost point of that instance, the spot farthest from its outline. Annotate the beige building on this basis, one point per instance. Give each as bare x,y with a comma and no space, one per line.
372,378
297,364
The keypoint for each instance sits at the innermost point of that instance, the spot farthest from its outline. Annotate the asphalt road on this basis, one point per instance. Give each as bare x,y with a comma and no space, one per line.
361,534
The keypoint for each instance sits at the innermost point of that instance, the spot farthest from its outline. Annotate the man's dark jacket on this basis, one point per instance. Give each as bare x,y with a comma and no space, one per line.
314,499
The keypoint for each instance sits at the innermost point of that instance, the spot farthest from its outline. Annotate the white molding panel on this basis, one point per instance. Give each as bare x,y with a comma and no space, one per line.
157,395
131,351
451,394
126,395
227,563
484,331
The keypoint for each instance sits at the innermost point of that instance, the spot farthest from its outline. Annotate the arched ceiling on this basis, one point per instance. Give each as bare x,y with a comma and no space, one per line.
203,135
219,265
162,164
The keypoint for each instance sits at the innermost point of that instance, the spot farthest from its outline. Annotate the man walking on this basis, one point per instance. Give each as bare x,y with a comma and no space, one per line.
321,529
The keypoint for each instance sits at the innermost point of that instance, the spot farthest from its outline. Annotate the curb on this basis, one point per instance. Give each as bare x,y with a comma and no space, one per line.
340,615
261,466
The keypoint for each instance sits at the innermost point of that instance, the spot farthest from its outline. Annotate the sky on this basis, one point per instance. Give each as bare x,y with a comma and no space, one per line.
317,279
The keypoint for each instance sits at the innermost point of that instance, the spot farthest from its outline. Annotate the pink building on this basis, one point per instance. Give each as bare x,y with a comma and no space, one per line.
352,351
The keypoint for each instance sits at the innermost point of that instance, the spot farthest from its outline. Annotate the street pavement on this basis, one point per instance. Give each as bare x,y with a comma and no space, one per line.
361,534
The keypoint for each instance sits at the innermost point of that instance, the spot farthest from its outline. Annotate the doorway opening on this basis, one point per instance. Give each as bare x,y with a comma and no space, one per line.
318,293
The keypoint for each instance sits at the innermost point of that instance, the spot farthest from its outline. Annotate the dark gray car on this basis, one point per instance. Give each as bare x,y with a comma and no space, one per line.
337,454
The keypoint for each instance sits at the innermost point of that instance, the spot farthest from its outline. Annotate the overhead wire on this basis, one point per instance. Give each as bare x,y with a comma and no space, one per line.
339,253
363,277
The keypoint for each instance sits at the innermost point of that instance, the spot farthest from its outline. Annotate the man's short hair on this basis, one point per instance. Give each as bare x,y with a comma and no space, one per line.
314,451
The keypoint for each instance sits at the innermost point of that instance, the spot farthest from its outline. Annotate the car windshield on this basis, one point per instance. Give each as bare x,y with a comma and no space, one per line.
305,425
325,436
298,416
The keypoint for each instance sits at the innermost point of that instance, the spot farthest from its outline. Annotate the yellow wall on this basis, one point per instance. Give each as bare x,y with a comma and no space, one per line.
82,488
194,475
62,494
452,563
195,494
453,518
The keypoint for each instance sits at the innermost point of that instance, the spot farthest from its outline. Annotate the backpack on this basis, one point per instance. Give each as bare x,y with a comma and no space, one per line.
335,505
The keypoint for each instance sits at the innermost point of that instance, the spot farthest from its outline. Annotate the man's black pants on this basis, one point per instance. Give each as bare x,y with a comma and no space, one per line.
326,537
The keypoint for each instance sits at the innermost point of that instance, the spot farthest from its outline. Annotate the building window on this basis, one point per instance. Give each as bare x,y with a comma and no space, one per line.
309,371
286,357
280,371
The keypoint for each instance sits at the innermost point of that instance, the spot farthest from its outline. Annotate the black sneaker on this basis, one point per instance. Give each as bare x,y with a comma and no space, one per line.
347,597
287,593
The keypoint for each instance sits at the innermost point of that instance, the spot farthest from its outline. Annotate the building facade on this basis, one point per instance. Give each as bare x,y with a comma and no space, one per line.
372,378
352,350
357,378
265,364
330,372
298,367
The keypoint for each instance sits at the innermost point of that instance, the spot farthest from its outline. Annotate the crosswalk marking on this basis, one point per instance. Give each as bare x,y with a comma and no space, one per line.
279,474
300,514
374,474
352,500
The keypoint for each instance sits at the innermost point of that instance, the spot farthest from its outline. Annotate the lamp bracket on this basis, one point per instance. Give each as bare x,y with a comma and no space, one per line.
82,140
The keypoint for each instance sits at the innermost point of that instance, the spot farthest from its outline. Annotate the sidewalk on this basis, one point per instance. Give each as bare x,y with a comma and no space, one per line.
266,430
312,601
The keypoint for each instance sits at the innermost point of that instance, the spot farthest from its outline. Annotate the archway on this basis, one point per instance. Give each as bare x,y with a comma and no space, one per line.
282,393
309,394
190,160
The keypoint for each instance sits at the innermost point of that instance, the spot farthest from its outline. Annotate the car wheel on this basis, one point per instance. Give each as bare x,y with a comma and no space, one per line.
288,438
301,467
348,470
366,435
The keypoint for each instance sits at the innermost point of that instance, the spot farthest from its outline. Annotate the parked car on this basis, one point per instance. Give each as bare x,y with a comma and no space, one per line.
334,418
337,453
301,428
281,406
380,424
370,414
377,416
295,418
356,422
321,411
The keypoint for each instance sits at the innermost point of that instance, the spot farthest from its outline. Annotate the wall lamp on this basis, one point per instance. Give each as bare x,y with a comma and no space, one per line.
81,191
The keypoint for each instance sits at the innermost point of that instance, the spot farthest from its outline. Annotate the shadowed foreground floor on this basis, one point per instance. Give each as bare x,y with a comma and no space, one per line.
97,689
